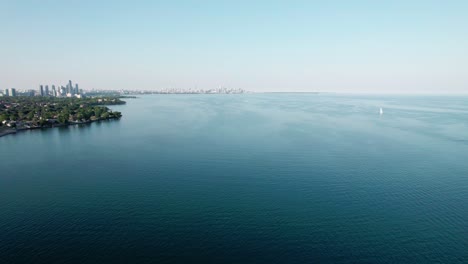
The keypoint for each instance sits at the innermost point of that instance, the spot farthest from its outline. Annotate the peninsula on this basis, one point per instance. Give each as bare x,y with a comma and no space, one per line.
21,113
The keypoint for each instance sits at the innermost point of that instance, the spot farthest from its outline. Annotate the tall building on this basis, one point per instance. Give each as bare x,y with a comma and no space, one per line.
42,90
7,92
77,91
12,92
70,89
70,85
47,90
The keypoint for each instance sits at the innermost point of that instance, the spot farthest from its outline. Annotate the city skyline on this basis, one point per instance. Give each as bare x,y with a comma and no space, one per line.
73,90
60,91
294,46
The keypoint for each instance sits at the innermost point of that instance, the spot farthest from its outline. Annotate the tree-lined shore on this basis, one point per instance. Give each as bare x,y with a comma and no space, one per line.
19,113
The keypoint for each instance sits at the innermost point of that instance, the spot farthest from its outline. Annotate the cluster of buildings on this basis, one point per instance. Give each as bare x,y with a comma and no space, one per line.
219,90
63,91
9,92
69,90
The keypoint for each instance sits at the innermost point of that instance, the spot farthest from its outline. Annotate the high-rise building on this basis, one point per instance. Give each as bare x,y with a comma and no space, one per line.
77,91
42,90
12,92
47,90
7,92
70,89
70,85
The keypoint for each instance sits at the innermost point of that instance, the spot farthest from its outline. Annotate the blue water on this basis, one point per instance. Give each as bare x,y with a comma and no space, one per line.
254,178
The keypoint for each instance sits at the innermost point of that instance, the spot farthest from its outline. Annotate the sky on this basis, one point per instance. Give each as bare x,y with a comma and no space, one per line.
374,46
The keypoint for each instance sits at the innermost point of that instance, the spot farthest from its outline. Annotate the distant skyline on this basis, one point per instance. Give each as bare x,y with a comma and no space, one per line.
418,46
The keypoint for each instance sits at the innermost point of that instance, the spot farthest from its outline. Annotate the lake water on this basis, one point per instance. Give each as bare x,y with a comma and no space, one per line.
253,178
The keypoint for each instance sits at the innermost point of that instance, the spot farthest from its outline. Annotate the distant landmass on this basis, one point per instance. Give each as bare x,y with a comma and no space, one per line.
22,113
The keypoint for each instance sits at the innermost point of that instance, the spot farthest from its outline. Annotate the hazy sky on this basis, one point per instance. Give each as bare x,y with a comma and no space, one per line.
346,46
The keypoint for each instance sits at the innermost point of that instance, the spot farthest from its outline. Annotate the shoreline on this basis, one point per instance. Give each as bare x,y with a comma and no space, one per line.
15,131
7,132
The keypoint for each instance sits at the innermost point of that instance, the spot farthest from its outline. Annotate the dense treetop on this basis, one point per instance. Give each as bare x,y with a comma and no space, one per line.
45,111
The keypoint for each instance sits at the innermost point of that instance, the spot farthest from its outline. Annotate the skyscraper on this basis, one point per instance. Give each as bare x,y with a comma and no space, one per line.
47,90
42,90
71,86
7,92
12,92
77,91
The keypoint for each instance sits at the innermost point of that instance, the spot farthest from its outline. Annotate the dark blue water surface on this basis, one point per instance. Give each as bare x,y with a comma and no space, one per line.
254,178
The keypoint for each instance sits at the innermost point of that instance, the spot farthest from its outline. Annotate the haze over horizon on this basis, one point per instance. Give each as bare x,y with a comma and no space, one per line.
301,46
